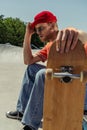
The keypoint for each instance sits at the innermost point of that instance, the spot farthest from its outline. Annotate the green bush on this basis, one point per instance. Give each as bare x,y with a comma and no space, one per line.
12,31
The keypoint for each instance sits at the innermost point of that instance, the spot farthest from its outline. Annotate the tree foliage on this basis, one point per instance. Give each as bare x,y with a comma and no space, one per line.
12,31
15,30
2,32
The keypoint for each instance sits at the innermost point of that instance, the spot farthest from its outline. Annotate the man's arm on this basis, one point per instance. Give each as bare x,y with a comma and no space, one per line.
29,58
82,36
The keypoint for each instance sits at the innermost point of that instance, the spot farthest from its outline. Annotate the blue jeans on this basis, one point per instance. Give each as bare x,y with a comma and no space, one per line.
85,105
84,125
30,101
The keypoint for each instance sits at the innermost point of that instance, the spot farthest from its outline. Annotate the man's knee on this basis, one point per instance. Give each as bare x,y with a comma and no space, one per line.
34,68
41,74
31,69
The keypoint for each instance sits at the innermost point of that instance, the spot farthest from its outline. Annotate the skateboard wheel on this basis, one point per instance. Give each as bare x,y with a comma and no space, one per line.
81,76
49,73
66,79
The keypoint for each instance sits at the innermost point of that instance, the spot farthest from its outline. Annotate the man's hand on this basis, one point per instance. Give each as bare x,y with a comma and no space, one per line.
28,33
66,40
29,29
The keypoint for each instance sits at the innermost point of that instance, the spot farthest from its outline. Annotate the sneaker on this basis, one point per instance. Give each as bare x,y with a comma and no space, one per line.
26,128
14,115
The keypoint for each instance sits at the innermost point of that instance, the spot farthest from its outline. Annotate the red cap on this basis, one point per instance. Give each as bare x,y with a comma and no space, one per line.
43,17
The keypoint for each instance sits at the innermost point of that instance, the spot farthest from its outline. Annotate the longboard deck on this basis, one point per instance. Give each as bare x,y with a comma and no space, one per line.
64,102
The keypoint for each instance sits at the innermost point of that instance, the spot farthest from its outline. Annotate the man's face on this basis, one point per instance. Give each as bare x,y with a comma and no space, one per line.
44,31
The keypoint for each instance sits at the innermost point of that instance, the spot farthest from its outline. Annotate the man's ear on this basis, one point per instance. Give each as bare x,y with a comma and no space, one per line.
52,25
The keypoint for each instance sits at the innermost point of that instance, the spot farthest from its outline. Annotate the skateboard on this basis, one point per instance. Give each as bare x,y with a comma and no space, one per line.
65,89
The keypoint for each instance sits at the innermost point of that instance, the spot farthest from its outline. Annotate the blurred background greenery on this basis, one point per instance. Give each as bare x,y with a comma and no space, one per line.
12,31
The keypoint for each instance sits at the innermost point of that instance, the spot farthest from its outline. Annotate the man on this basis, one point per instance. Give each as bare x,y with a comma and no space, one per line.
30,101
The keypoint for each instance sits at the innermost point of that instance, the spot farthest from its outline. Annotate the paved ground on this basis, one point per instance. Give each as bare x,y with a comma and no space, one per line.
10,81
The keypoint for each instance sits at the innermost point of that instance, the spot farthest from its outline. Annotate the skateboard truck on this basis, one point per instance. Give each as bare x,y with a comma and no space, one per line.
67,70
65,74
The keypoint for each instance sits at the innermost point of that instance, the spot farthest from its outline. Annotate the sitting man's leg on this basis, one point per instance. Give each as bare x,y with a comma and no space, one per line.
84,125
85,107
34,109
25,92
